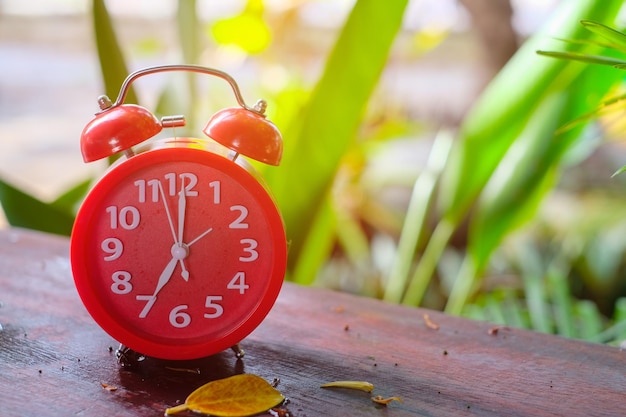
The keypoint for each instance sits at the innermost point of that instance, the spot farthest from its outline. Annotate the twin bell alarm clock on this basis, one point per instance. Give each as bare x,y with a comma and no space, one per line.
178,251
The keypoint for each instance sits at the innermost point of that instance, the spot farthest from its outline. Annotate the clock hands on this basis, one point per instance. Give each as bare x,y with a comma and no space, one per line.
179,250
165,275
178,239
182,206
167,211
203,234
178,254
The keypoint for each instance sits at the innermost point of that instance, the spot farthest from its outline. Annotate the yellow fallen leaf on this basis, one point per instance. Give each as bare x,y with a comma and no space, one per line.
429,323
235,396
108,387
360,385
384,401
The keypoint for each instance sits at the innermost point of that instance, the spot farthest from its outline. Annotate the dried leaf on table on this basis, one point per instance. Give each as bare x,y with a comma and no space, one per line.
358,385
108,387
235,396
494,330
384,401
429,323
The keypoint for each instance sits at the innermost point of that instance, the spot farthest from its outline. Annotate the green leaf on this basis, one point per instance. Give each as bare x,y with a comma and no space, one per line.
590,320
317,245
618,39
518,176
112,64
315,144
188,31
413,229
23,210
617,330
619,171
595,42
561,298
531,265
70,199
527,172
605,107
590,59
495,122
502,111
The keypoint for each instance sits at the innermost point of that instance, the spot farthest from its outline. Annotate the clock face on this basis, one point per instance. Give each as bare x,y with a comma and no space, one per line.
178,253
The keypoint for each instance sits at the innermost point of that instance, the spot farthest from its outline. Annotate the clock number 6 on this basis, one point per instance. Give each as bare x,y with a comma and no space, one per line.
179,318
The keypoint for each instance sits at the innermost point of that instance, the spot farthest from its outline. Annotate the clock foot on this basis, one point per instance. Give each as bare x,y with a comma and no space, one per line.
239,352
127,357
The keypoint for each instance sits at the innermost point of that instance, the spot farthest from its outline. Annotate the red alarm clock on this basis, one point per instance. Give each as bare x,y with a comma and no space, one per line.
179,251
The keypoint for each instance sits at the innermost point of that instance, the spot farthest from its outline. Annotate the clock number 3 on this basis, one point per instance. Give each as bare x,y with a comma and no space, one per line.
249,249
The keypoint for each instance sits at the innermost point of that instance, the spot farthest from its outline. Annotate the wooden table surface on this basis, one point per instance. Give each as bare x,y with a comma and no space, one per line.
54,359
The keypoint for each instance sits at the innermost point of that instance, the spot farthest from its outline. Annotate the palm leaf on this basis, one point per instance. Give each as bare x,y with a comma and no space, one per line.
526,173
112,64
496,121
590,59
617,38
619,171
316,142
604,108
23,210
70,199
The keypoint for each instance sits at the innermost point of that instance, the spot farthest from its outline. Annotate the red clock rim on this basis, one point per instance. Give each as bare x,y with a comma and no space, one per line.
80,268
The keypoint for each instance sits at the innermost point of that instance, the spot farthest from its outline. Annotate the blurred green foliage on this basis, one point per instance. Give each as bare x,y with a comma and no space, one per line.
482,182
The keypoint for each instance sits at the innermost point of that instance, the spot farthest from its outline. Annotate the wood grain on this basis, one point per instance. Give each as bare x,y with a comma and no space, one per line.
54,358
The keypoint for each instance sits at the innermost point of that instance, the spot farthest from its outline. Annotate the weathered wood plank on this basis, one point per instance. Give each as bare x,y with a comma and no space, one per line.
54,358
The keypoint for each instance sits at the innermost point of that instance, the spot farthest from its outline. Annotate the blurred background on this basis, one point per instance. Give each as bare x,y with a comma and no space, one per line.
50,76
420,145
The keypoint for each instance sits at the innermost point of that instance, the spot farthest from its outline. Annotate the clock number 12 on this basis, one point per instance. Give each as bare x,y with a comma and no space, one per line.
149,189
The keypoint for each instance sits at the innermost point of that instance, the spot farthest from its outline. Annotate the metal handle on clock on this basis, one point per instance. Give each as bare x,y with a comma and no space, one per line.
259,107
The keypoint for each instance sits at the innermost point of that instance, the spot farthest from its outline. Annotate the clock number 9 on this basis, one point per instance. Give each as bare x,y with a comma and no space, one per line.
113,246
